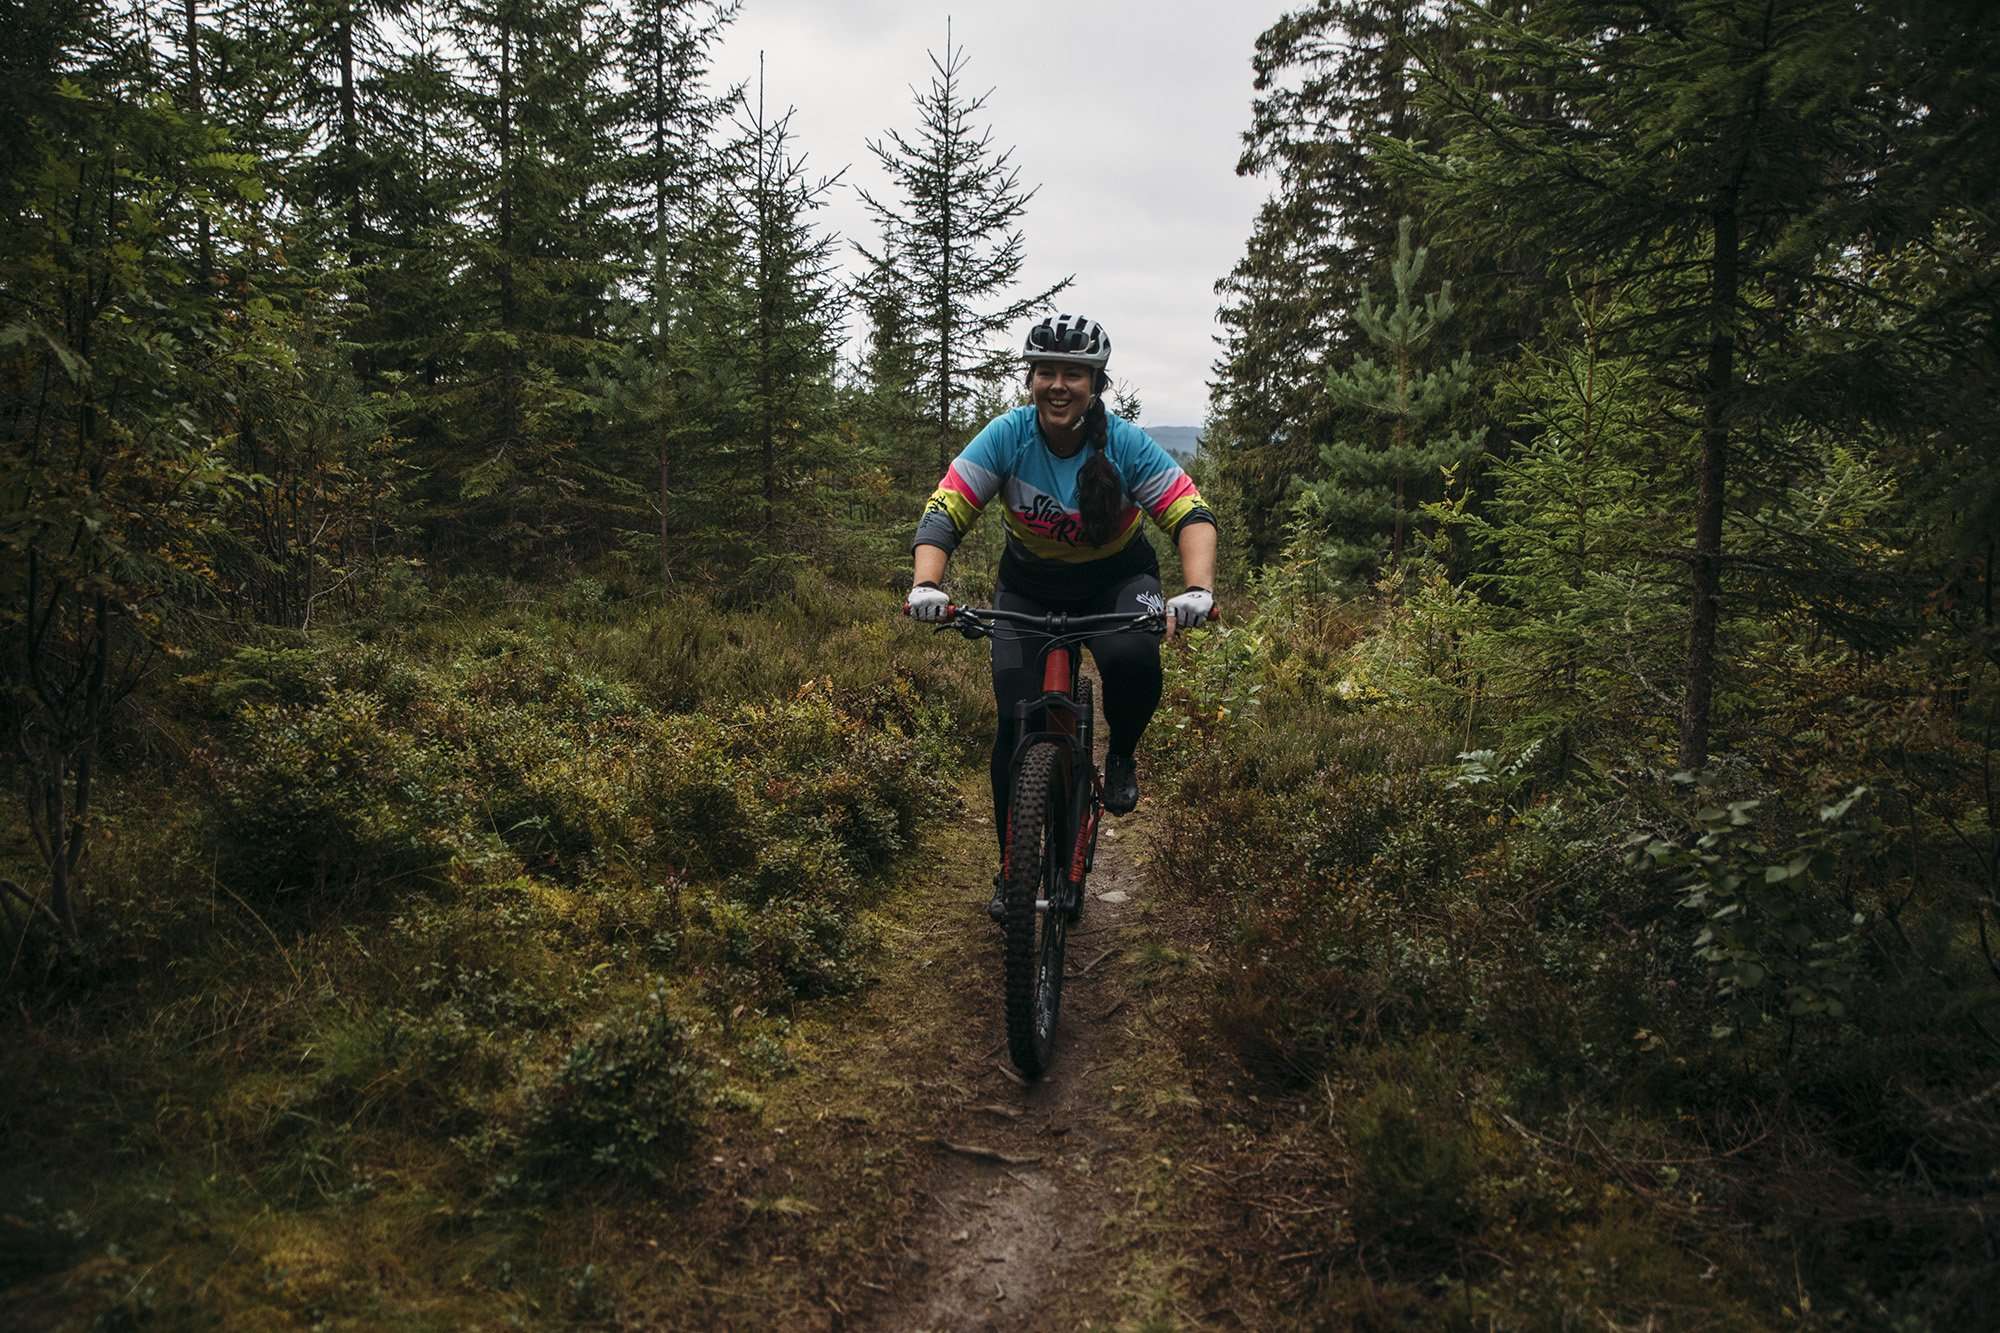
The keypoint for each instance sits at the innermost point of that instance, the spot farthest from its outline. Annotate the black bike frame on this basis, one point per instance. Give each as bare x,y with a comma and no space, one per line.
1063,721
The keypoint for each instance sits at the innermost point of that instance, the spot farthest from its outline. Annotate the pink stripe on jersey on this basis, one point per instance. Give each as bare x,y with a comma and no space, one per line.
1182,486
952,481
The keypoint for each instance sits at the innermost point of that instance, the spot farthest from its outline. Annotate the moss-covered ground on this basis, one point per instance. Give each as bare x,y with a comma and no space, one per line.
530,967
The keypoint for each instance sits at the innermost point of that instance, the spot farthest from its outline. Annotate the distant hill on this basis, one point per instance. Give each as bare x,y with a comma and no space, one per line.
1182,442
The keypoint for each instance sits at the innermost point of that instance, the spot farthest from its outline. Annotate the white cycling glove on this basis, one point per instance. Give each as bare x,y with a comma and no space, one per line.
927,603
1191,608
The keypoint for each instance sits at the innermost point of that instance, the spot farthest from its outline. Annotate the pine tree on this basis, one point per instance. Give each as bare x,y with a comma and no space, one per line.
418,222
1377,477
1716,157
297,421
1125,402
546,254
891,371
793,303
1578,611
1328,78
952,227
666,60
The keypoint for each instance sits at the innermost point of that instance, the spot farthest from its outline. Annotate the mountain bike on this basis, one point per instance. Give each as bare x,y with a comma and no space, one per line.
1052,815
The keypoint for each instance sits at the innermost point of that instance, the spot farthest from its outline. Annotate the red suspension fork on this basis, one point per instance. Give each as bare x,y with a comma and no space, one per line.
1055,680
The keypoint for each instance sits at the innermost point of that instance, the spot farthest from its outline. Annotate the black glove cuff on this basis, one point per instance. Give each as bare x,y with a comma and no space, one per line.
1196,587
926,584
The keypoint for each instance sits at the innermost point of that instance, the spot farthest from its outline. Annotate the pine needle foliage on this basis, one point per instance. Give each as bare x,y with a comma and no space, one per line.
1375,477
951,240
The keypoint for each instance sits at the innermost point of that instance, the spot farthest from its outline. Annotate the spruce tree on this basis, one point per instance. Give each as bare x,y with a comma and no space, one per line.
1718,157
951,228
1578,612
1376,477
891,402
792,305
1125,402
545,255
1329,78
670,175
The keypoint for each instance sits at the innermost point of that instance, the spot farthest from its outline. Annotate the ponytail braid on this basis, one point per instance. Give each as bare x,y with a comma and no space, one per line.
1098,491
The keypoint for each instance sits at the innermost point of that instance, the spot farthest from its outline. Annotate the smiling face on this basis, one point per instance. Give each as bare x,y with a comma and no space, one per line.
1062,393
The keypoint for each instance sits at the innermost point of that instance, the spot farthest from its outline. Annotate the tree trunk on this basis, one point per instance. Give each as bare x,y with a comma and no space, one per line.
944,280
1707,565
509,404
657,96
194,112
350,132
666,529
1396,542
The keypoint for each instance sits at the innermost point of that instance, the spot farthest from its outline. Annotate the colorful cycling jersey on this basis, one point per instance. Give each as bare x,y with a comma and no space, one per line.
1009,458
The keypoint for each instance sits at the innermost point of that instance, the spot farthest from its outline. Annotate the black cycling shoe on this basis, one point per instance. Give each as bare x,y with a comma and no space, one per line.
996,906
1121,784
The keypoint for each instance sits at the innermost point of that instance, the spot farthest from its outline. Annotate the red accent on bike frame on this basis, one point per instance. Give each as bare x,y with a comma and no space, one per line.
1055,680
1083,835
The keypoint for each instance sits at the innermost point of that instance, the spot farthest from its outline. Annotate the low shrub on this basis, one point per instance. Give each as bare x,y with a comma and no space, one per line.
783,951
346,764
1772,1023
329,794
1373,901
400,1064
620,1102
1415,1171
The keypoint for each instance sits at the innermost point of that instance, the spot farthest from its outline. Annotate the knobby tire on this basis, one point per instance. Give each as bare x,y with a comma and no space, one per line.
1037,866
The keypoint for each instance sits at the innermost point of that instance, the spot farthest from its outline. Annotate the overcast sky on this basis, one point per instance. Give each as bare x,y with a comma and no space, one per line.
1128,115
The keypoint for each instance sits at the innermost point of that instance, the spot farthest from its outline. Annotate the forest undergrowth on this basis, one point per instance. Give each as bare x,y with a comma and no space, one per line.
419,954
1547,1040
517,962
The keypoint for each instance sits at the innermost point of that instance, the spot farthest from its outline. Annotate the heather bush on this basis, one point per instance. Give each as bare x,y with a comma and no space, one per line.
1557,999
329,794
621,1101
1416,1168
388,928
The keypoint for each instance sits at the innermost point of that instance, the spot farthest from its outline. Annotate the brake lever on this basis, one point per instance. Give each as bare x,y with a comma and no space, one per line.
967,624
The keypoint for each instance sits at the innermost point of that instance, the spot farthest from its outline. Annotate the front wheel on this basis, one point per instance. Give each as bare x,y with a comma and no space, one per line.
1038,851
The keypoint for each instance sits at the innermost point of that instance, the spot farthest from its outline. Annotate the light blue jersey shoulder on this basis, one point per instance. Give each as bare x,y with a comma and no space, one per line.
1010,458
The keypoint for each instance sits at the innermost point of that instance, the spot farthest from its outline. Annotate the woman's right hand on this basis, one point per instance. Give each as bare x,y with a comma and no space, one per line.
926,602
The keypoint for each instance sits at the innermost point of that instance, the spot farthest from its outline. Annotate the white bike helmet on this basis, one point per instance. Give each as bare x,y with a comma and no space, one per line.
1070,338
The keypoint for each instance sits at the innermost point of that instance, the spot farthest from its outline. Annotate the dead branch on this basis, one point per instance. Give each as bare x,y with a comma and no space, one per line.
986,1154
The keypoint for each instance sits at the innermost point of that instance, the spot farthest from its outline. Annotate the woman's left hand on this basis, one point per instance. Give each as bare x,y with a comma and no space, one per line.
1189,610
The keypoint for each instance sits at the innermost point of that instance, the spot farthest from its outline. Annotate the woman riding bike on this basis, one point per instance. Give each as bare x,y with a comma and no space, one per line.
1078,484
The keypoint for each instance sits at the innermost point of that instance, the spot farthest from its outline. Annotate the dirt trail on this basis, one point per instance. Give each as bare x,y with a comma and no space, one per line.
1017,1208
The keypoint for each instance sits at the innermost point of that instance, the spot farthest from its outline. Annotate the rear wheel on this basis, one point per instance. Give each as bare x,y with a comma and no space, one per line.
1038,848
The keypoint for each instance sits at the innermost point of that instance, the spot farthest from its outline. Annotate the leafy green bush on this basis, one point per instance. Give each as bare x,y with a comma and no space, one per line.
621,1101
330,794
1416,1166
1777,938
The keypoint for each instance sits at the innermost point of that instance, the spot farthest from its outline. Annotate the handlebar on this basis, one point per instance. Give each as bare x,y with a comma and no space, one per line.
974,621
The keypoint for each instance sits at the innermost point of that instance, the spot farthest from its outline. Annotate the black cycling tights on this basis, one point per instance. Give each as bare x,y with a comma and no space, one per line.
1128,664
